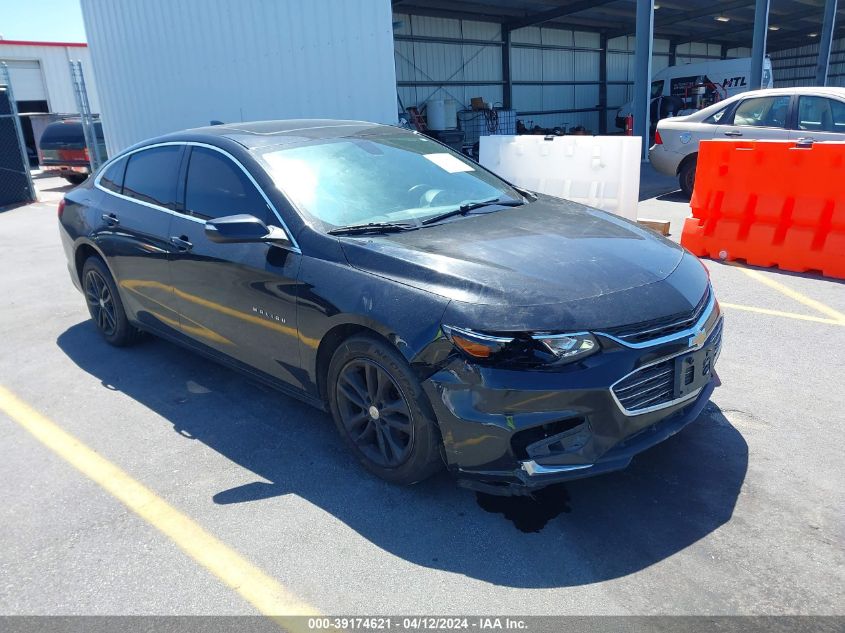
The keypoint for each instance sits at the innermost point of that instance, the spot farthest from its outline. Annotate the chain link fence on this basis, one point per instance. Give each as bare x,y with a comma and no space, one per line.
15,180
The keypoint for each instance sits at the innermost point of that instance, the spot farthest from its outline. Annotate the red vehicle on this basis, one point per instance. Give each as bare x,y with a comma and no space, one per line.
62,149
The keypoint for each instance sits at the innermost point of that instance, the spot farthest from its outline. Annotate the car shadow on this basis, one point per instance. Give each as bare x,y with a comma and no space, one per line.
589,530
58,188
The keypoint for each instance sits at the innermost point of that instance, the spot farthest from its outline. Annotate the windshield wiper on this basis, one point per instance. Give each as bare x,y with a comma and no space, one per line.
471,206
373,227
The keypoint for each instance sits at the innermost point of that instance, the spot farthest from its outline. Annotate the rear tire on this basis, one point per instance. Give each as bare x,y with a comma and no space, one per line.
686,177
105,306
75,179
382,412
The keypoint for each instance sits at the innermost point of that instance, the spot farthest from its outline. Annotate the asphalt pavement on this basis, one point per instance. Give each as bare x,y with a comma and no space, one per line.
740,513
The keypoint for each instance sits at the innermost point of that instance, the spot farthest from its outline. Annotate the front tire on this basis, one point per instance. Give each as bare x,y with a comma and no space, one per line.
382,412
104,304
686,177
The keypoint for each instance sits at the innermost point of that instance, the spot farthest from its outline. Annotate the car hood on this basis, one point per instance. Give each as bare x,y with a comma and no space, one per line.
550,251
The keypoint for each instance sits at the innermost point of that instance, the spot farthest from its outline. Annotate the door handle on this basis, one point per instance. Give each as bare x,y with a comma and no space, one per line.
111,219
181,243
733,133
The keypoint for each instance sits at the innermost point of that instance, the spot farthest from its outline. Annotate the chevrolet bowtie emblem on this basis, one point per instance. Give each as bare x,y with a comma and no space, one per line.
698,340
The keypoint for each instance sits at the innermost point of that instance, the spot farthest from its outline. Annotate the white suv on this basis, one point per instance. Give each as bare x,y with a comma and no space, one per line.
816,114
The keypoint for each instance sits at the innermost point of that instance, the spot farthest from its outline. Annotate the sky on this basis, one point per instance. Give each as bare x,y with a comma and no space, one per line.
42,20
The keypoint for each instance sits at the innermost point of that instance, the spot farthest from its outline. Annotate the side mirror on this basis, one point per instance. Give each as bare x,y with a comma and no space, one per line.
243,228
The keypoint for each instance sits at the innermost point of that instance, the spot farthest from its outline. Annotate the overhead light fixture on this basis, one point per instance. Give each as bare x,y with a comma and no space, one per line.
812,35
774,28
722,18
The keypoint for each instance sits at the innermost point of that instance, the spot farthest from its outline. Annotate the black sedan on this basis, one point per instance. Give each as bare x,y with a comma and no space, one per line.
442,315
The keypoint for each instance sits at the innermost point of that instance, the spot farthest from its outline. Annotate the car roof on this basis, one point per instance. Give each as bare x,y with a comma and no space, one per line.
823,91
254,134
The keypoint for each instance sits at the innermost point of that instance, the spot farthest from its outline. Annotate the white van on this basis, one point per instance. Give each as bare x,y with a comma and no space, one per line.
684,89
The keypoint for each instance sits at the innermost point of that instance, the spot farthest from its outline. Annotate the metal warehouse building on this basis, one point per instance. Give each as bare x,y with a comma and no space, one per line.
565,63
41,80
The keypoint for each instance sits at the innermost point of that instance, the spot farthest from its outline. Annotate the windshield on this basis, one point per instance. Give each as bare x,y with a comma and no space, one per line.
386,177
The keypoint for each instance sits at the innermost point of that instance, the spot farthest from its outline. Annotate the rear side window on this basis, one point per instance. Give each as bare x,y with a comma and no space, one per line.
112,178
763,112
217,187
68,135
819,114
718,116
151,175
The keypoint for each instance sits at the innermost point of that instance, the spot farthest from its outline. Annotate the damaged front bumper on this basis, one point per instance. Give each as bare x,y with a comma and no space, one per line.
512,432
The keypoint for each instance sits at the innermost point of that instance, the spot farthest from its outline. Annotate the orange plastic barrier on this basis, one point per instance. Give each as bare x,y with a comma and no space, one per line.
771,203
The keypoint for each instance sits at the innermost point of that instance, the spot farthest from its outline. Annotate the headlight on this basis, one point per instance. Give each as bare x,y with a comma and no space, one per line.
569,346
527,348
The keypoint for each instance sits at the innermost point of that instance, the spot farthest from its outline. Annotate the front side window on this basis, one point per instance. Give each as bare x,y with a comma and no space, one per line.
151,175
216,187
819,114
762,112
112,178
386,177
656,88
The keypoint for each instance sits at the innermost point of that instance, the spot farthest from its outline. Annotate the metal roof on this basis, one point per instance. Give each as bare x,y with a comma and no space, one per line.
791,22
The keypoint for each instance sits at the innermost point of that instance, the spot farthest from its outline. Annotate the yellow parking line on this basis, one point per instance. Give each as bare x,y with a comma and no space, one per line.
793,294
779,313
267,595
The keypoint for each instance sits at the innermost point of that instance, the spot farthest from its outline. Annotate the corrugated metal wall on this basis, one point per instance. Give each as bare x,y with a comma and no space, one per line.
797,66
555,72
436,70
55,71
620,71
164,65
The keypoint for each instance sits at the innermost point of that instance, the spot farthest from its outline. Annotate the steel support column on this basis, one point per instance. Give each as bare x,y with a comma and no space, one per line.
758,44
603,85
507,87
642,70
825,42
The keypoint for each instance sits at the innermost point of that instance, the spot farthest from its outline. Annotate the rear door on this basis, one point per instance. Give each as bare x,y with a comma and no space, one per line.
135,212
819,119
235,299
758,118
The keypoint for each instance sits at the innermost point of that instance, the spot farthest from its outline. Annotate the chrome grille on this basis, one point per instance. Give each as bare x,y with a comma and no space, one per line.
654,385
649,387
648,330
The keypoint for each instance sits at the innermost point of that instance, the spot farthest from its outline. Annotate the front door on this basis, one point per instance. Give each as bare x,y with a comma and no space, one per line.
234,299
758,118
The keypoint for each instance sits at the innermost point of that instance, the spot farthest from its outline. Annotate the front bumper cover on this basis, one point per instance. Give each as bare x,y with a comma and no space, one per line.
483,410
531,476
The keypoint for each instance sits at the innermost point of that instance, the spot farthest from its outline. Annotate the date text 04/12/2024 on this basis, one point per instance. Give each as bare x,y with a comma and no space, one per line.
416,623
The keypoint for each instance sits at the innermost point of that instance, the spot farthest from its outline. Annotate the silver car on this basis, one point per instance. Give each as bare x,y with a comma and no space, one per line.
816,114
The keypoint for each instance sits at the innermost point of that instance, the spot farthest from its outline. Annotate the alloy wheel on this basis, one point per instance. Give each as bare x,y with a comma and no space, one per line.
100,302
375,413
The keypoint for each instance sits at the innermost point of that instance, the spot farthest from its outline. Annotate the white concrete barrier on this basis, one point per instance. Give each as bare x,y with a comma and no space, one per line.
599,171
